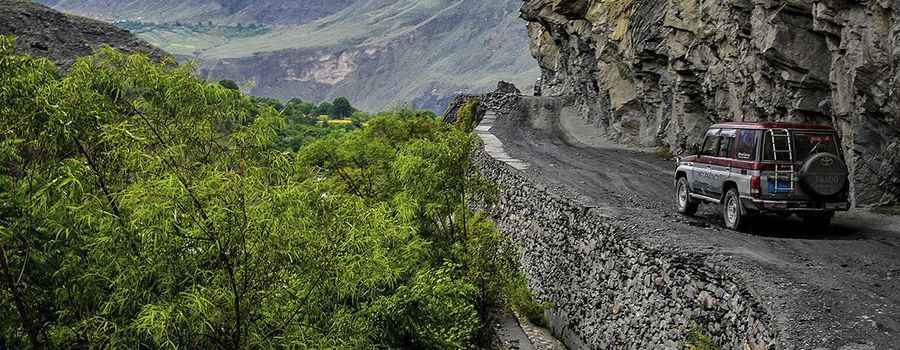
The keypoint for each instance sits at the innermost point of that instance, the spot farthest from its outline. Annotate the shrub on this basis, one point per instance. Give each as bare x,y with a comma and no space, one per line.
466,115
665,152
697,339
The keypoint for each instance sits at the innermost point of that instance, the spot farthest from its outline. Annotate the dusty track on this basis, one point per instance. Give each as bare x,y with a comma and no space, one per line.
832,289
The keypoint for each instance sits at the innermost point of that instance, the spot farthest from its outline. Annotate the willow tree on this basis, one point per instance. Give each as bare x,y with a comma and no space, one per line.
141,207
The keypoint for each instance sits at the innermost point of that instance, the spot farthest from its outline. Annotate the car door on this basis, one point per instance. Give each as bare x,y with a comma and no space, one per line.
720,167
702,171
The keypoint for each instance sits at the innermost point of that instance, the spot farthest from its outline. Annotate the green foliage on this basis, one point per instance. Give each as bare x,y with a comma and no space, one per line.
229,84
522,299
342,108
303,124
269,102
435,311
465,116
664,152
141,207
325,108
697,339
298,111
189,39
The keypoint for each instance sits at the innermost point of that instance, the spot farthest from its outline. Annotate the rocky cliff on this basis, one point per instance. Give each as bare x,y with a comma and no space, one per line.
653,73
43,32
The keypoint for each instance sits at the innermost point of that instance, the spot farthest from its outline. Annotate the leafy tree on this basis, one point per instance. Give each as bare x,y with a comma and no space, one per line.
269,102
325,108
141,207
342,108
298,111
229,84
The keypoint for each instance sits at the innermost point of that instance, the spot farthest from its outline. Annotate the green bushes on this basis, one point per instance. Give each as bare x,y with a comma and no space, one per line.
697,339
466,115
141,207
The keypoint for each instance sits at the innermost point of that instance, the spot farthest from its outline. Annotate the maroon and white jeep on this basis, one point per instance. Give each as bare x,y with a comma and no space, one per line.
755,168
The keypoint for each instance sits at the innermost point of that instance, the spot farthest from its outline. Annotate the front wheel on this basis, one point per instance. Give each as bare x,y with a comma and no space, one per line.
683,201
733,211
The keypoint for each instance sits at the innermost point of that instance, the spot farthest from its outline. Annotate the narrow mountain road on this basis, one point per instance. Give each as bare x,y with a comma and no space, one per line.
832,289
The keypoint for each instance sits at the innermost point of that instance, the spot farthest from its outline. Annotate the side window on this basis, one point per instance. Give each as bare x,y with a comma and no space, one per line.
711,145
726,143
746,144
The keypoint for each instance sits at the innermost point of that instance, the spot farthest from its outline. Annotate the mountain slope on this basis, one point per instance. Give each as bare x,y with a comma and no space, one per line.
378,53
219,11
43,32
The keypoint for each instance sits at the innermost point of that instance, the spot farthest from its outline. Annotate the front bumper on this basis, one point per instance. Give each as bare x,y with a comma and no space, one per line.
793,206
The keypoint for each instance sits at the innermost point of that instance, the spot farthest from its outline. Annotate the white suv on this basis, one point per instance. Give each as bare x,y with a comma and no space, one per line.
754,168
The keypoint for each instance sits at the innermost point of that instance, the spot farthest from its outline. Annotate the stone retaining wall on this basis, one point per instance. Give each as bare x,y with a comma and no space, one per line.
610,290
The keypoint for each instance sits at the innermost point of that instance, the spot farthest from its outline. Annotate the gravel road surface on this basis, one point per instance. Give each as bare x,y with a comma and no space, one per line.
837,288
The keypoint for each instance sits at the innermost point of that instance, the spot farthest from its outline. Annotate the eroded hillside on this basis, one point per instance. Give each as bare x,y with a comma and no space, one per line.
378,53
657,73
220,11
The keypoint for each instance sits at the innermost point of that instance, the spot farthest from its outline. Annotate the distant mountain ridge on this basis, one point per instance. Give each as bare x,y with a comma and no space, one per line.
378,53
219,11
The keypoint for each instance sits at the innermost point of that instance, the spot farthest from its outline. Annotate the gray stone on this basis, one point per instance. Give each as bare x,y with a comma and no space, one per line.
660,72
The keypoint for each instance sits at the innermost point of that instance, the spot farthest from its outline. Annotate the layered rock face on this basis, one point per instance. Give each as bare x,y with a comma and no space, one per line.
655,73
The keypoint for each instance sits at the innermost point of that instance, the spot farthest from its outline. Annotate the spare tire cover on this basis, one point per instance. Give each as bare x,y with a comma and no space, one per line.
824,174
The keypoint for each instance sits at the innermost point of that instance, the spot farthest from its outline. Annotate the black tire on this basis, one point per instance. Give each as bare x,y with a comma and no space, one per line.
824,175
733,210
818,220
684,204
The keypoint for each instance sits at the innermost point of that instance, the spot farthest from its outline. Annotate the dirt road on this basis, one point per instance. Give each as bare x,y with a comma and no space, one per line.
832,289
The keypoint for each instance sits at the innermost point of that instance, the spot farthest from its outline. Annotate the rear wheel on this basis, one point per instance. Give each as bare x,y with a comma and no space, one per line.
683,201
732,210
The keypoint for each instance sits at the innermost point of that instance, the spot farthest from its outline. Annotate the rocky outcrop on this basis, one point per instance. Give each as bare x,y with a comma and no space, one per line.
655,73
501,100
43,32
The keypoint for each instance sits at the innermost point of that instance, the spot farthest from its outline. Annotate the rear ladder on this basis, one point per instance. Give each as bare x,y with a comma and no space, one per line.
783,171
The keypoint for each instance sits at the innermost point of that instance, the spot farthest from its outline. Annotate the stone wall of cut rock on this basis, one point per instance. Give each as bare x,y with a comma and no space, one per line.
609,289
658,72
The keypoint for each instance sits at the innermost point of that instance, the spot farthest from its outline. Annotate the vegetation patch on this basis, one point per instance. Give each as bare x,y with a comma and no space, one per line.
697,339
187,38
142,207
466,115
665,152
